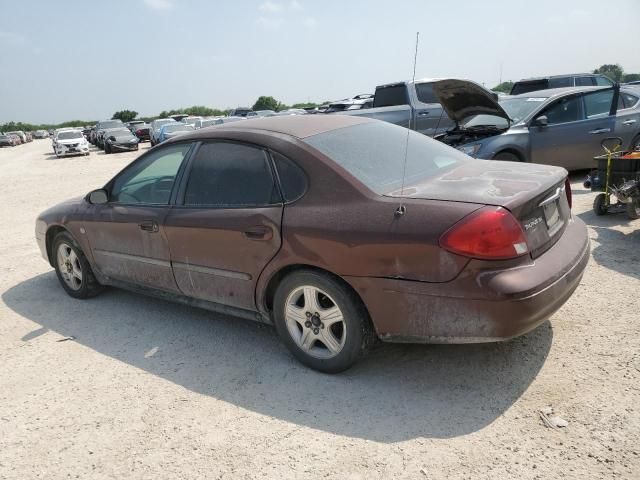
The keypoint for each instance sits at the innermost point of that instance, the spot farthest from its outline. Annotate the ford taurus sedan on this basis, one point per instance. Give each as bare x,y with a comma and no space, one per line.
338,230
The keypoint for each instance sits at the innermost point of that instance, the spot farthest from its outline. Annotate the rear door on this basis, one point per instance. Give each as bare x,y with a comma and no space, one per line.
226,226
126,236
576,126
628,119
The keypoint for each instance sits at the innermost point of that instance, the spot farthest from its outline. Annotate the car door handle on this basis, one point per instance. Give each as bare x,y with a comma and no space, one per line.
600,130
423,114
258,233
628,122
149,226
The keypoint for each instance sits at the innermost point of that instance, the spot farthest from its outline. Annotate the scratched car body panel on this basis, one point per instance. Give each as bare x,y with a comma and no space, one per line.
380,226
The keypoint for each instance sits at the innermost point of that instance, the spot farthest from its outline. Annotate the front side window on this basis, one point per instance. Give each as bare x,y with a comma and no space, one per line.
603,81
230,175
598,103
567,109
150,180
425,93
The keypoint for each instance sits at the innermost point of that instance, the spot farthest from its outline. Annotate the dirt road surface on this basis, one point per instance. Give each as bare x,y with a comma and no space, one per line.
149,389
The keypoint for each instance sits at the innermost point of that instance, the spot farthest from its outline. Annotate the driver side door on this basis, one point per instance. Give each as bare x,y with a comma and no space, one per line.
126,234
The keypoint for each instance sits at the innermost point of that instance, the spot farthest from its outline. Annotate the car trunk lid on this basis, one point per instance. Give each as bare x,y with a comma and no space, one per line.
534,194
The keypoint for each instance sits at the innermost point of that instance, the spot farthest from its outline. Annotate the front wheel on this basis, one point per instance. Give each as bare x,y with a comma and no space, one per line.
633,209
73,269
321,321
506,156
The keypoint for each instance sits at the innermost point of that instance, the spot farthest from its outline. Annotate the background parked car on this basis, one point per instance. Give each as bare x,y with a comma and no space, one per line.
7,141
119,140
562,127
154,129
171,130
241,112
21,134
71,142
133,124
102,125
142,132
191,120
41,134
560,81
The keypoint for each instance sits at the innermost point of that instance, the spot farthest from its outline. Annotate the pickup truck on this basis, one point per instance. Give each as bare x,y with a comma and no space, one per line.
408,104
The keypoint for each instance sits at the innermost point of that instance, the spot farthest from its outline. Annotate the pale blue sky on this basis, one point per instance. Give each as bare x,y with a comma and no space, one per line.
70,59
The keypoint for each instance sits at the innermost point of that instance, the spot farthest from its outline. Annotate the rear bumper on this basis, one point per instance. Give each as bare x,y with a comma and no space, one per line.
482,304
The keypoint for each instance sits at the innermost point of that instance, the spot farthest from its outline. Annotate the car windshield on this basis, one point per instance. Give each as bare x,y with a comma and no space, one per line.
159,123
118,131
374,153
69,135
518,108
208,123
109,124
177,128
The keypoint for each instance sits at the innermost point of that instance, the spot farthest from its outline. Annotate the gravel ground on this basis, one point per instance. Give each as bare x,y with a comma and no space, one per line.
149,389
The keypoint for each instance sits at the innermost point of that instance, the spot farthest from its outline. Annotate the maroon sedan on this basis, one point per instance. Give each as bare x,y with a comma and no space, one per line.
338,230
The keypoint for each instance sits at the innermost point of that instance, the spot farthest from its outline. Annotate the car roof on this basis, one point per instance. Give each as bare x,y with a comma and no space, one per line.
556,92
547,77
299,126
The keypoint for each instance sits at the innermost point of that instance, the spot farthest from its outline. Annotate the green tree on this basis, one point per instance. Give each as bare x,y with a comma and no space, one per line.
305,105
125,115
266,103
631,77
613,71
504,87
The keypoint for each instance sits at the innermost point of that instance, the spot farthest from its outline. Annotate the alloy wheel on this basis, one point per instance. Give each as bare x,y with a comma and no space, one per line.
315,322
69,266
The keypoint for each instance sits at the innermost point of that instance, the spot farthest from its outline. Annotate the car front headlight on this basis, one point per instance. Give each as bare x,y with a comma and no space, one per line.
470,150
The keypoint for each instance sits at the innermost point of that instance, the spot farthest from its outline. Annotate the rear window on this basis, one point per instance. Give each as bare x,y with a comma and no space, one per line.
585,81
529,86
391,96
374,154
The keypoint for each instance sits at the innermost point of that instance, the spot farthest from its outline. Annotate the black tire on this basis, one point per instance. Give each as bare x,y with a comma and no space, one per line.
635,143
506,156
107,148
356,324
633,209
89,286
599,205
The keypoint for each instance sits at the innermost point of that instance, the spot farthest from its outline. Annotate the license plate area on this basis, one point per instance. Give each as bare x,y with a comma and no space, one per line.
552,217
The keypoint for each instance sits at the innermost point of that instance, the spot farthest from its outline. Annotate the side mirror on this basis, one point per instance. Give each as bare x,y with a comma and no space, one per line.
541,121
112,138
98,197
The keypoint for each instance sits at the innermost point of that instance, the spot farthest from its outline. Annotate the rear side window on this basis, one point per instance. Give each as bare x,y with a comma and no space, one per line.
390,96
628,100
374,153
598,103
230,175
425,93
585,81
567,109
560,82
293,181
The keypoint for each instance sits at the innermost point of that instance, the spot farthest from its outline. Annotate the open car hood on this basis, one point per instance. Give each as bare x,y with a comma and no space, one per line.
463,99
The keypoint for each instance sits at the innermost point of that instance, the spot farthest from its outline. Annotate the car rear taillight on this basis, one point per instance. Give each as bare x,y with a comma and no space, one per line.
491,233
567,190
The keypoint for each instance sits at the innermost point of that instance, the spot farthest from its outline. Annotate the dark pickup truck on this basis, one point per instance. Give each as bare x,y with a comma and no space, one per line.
408,104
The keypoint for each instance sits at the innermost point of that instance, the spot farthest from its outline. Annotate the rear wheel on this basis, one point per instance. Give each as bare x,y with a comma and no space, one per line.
600,206
506,156
321,321
72,268
635,143
633,209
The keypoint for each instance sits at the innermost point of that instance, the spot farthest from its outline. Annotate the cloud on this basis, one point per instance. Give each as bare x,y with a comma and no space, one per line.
310,22
270,7
270,23
10,37
295,5
159,4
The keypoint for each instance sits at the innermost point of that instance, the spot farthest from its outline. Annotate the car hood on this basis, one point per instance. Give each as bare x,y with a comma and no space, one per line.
487,182
462,99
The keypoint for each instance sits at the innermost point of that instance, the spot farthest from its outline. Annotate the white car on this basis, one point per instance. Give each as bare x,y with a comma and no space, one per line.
70,142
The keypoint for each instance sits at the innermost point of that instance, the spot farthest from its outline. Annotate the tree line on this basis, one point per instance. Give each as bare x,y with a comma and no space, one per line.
614,71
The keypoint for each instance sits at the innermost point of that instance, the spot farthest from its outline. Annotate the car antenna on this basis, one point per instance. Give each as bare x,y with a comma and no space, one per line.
401,210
